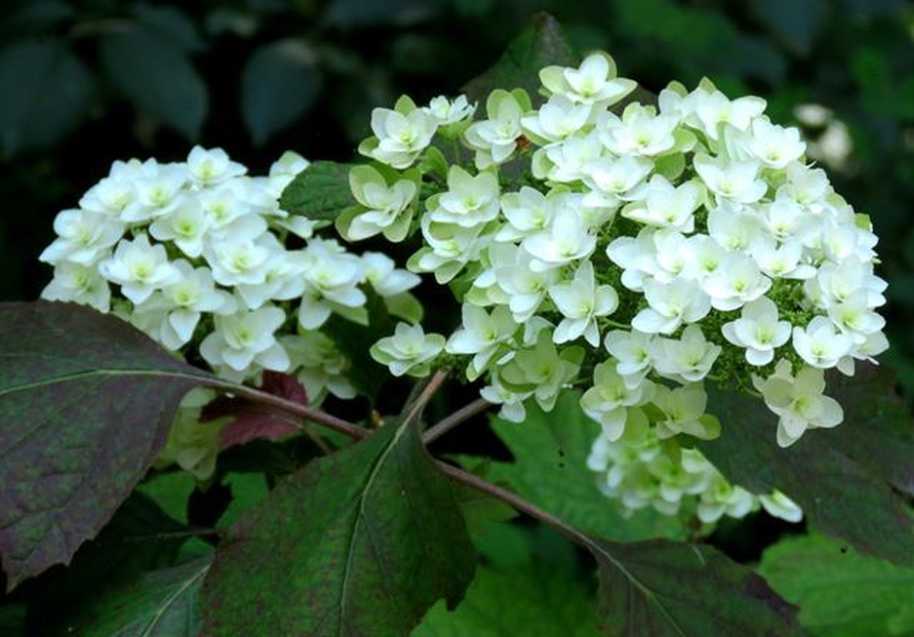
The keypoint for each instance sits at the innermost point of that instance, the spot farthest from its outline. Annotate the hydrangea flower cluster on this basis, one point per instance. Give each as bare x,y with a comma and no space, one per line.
636,252
195,254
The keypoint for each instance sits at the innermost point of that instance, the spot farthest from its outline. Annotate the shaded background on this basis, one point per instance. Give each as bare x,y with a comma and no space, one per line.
88,82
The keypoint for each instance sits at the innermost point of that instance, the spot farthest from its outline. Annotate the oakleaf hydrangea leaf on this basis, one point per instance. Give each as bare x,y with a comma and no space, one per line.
361,542
320,192
86,401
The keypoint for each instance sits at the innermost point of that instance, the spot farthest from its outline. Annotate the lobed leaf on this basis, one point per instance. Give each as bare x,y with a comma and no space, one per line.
320,192
86,401
843,478
361,542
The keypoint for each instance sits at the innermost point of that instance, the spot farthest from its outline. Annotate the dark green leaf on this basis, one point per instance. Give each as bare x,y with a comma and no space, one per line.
842,477
355,341
550,470
37,16
320,192
840,592
542,43
796,24
161,603
279,84
367,13
157,77
372,534
172,24
49,91
536,596
86,401
671,589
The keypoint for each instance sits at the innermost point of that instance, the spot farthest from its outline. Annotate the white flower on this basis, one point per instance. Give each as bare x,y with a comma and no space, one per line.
662,204
737,181
607,401
581,301
283,279
671,305
482,334
332,284
157,194
401,134
713,108
239,260
528,211
567,161
593,82
568,239
722,498
319,366
210,167
837,282
614,178
632,351
798,401
386,279
469,201
409,351
684,412
139,268
781,261
244,338
733,229
495,139
83,237
80,284
388,208
543,369
182,303
854,317
773,145
784,218
780,506
109,196
686,360
736,282
820,343
448,112
225,203
758,330
640,131
186,227
524,287
558,118
449,249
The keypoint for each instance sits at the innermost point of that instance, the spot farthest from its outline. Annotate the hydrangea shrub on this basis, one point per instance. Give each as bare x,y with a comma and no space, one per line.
638,254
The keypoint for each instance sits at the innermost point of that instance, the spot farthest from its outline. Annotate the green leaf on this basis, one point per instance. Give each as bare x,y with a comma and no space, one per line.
840,592
279,84
49,92
170,23
373,535
141,537
549,469
247,490
86,402
536,598
171,492
672,589
161,603
542,43
320,192
157,77
842,477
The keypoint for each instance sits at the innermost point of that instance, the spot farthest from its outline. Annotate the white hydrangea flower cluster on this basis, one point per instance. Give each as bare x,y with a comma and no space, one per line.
634,253
194,254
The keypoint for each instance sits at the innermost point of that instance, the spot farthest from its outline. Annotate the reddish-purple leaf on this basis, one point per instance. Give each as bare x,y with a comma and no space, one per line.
86,401
255,421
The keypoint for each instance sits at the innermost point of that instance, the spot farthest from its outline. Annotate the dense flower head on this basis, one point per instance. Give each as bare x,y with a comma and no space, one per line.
640,253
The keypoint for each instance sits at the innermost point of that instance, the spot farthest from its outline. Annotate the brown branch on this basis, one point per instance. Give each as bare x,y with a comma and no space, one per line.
461,415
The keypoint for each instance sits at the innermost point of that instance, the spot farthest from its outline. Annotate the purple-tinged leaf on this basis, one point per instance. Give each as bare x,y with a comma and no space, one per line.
86,401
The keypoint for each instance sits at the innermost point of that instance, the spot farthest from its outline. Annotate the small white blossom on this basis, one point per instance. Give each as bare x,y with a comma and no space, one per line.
139,268
686,360
409,351
758,330
821,344
581,301
246,337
